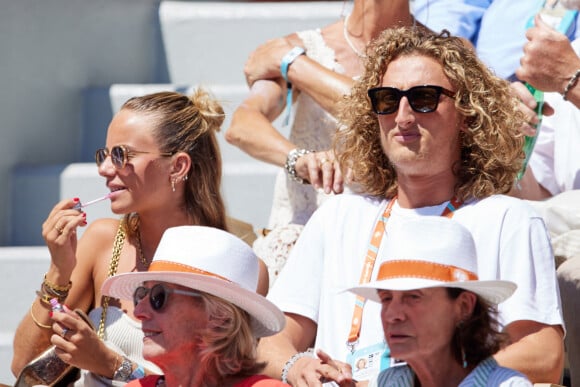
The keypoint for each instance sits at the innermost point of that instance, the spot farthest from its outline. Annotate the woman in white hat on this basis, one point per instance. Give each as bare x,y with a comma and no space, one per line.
199,311
437,316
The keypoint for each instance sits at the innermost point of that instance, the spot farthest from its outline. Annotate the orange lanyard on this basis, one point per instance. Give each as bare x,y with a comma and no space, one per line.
369,264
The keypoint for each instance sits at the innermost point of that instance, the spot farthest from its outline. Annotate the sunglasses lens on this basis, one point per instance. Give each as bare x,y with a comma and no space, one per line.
385,101
118,156
139,294
157,297
424,99
100,156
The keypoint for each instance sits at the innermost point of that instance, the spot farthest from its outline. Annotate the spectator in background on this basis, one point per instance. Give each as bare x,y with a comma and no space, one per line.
495,27
437,315
552,180
428,130
201,318
163,167
319,68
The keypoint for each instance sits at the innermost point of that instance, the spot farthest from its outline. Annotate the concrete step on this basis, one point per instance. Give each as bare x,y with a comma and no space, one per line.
35,190
21,273
100,103
209,42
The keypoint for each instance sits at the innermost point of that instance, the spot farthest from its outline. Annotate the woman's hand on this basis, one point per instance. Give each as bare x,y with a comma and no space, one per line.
264,62
322,171
79,345
59,233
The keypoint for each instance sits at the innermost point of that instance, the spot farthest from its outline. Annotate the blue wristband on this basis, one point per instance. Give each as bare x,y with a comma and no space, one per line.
288,59
286,62
138,373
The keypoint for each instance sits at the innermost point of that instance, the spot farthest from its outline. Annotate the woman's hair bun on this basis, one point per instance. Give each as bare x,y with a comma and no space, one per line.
209,108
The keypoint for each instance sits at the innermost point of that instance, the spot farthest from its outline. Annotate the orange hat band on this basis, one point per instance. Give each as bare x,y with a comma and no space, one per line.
424,269
174,266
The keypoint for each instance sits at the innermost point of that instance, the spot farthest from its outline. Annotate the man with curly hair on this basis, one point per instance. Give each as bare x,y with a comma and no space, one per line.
428,130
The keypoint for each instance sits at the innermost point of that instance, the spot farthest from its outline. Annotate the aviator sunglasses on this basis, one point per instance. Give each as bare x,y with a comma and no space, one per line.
423,99
120,155
158,295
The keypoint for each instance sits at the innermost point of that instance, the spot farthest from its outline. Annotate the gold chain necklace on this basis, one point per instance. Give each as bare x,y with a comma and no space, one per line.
140,249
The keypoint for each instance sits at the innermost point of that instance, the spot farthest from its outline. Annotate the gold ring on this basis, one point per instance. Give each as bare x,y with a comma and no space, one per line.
324,160
60,230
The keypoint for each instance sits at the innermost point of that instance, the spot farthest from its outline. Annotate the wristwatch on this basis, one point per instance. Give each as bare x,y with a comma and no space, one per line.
123,373
290,165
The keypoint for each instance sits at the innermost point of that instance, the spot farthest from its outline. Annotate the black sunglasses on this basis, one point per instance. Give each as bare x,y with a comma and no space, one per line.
120,155
158,295
423,99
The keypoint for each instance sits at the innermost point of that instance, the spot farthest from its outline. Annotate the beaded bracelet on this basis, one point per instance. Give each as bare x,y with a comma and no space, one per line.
570,84
290,165
292,360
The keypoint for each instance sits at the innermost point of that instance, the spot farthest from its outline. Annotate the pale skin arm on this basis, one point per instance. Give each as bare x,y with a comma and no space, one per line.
325,86
537,350
252,131
549,61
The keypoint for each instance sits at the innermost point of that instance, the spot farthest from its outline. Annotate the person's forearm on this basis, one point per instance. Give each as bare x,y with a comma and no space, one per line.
254,134
275,352
325,86
573,94
528,188
31,337
539,355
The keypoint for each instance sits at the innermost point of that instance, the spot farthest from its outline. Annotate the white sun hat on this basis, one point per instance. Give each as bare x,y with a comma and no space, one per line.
212,261
431,251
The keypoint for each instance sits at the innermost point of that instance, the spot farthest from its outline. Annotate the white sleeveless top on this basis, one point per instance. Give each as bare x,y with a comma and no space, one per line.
313,128
293,203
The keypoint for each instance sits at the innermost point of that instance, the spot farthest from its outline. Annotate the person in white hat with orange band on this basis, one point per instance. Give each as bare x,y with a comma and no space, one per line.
200,314
437,315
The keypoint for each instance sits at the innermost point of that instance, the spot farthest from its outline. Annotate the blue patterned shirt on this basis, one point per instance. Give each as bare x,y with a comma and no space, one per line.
487,374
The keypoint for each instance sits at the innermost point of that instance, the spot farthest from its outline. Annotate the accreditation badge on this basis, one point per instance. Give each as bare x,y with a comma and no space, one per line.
369,361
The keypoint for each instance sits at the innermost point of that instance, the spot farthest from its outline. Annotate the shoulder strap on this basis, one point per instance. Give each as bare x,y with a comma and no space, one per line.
117,246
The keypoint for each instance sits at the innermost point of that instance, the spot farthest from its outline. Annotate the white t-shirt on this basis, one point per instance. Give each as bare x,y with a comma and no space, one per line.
511,241
555,160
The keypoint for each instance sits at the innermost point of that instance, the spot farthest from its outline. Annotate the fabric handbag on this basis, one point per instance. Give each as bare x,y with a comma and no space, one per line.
48,369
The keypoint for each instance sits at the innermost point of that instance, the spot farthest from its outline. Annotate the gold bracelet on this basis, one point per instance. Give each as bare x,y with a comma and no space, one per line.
55,287
38,323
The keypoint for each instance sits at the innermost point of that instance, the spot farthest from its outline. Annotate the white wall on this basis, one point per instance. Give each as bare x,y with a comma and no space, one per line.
51,50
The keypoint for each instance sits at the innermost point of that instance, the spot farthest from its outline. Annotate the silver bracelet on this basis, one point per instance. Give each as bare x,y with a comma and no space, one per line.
308,353
570,84
290,165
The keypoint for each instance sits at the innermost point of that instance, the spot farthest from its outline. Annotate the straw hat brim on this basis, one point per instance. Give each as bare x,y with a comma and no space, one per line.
267,319
494,291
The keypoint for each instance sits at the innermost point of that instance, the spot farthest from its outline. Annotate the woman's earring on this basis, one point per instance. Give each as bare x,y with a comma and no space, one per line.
185,178
173,185
463,358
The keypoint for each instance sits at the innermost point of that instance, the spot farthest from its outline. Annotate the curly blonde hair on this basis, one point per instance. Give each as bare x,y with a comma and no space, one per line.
491,142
